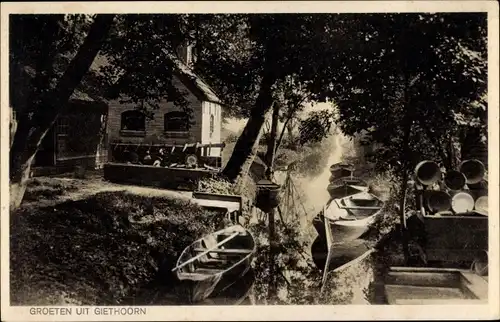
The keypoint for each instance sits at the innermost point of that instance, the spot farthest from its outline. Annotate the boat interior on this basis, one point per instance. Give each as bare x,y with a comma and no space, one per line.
342,191
404,285
353,207
219,252
364,199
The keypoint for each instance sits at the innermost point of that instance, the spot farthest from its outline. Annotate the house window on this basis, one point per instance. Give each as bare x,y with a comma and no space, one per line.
62,125
212,125
62,133
133,122
176,122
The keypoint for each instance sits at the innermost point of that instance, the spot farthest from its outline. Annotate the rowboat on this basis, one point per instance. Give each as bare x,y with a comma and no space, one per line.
236,294
339,170
214,262
347,186
350,217
362,204
319,224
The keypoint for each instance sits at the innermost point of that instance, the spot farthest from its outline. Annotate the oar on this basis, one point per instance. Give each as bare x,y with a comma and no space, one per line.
205,252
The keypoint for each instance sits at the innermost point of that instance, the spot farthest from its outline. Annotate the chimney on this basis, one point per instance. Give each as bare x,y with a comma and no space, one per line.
186,52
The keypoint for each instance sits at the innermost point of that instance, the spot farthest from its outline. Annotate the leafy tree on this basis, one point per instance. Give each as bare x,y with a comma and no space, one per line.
316,126
52,50
140,59
52,56
261,57
407,81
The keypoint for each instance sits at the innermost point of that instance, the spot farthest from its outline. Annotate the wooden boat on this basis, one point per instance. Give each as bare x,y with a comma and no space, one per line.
362,204
340,170
228,205
319,252
347,186
430,286
236,294
350,217
215,262
319,224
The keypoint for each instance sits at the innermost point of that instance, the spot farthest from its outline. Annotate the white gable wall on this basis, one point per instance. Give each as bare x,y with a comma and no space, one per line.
215,110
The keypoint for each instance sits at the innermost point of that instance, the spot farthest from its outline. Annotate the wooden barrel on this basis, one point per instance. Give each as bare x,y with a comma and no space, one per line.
437,200
427,172
454,180
473,170
268,195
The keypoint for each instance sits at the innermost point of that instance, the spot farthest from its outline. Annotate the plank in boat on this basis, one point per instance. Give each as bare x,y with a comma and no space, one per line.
349,218
213,263
343,187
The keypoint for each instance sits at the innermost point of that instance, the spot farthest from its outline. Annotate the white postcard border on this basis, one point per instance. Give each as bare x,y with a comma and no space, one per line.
351,312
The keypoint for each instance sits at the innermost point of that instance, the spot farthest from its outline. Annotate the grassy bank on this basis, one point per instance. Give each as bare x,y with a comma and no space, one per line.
106,249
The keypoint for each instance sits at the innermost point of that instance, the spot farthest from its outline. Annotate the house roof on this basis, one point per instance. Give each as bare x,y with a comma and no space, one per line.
194,82
184,73
90,91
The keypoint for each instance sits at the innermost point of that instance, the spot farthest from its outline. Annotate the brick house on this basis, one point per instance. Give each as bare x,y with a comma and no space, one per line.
93,130
130,129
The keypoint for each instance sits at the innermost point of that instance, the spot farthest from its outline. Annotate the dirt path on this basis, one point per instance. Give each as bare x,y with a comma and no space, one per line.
77,189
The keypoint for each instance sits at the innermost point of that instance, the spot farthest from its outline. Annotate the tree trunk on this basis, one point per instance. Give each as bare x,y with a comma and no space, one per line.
244,151
32,129
272,146
407,126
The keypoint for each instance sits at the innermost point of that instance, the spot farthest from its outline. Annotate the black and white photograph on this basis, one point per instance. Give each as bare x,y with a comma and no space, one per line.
230,159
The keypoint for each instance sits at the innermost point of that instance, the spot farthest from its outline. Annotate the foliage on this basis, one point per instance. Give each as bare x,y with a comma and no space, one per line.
228,59
93,251
45,44
432,70
297,277
316,126
270,58
213,185
285,157
140,60
135,61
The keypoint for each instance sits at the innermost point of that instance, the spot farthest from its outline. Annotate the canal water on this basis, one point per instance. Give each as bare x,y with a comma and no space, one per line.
314,196
317,195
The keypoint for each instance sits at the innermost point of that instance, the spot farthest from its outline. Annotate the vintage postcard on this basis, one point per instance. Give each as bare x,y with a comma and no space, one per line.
249,160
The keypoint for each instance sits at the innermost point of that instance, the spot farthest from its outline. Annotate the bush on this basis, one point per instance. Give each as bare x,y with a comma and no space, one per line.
215,185
285,156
